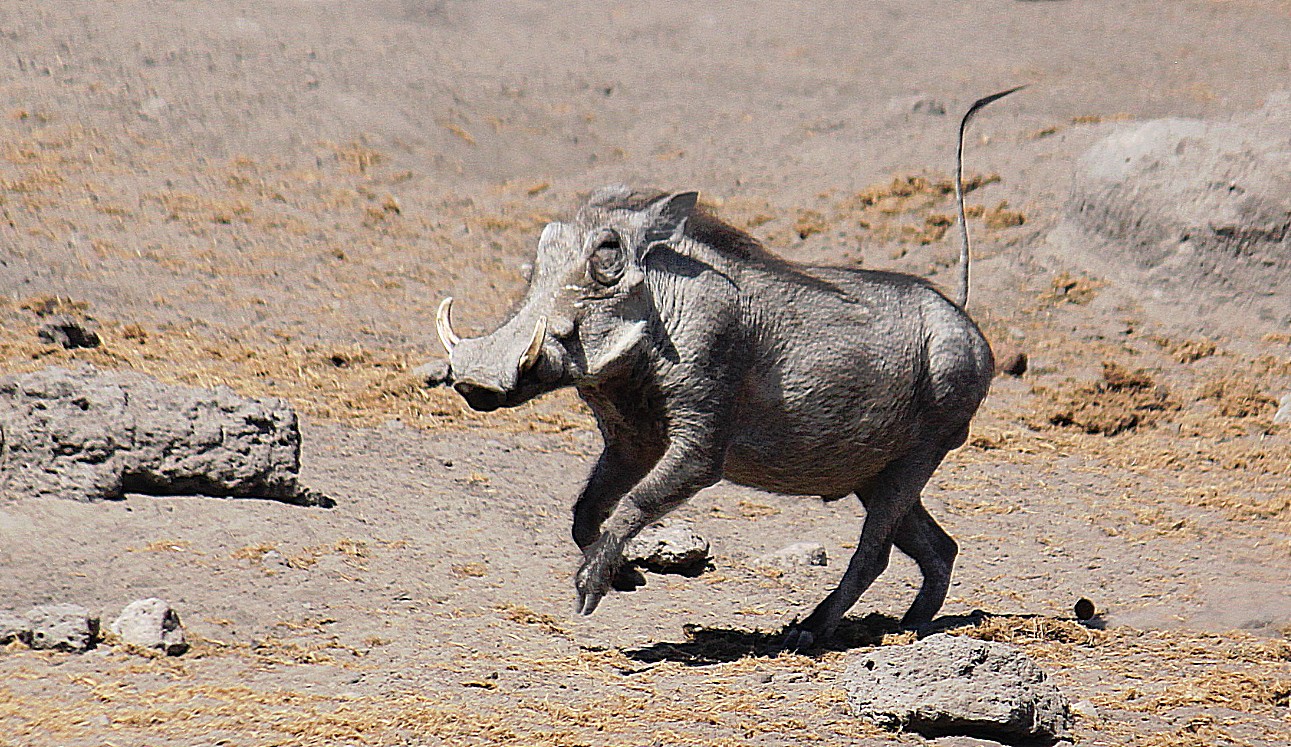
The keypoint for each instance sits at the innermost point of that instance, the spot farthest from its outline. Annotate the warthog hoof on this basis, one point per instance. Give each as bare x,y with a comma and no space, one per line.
797,640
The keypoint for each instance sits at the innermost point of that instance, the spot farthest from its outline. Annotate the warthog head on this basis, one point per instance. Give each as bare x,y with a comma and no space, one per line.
585,310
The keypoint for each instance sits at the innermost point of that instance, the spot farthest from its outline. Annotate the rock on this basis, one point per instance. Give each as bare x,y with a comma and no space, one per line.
14,628
963,742
668,548
66,627
433,372
1283,415
1195,204
153,108
151,623
1085,709
69,333
928,105
951,685
798,554
916,104
90,435
1010,362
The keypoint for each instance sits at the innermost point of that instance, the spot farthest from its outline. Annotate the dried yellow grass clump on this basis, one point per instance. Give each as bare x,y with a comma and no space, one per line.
1122,401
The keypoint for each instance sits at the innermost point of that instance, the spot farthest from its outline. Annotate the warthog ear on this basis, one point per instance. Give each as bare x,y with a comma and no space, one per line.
668,218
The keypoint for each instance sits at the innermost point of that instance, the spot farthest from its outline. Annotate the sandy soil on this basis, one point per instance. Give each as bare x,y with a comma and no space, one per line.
274,196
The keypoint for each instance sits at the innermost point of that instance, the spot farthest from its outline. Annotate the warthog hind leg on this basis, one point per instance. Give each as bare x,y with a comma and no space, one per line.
889,499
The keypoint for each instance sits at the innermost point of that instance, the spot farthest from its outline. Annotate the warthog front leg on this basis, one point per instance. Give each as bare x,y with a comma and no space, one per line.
616,471
684,469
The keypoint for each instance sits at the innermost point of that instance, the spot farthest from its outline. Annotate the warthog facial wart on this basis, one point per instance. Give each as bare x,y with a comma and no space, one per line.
704,356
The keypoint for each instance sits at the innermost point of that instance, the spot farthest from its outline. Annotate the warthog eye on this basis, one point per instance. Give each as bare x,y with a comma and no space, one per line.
608,259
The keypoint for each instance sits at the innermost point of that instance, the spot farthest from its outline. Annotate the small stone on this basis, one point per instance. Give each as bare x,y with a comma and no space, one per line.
151,623
797,554
153,107
274,559
1283,415
66,627
14,628
928,105
68,333
432,373
668,548
1085,709
1011,362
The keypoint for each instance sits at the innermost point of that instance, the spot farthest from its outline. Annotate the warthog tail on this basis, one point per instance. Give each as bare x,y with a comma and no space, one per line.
961,295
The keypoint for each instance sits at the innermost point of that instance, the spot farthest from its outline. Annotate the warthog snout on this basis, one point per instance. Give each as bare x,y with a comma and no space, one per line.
504,368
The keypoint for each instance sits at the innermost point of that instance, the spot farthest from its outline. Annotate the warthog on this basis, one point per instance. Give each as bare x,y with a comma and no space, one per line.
703,356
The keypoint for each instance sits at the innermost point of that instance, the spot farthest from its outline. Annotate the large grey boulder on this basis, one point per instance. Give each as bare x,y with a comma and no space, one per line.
1196,203
150,623
90,435
952,685
65,627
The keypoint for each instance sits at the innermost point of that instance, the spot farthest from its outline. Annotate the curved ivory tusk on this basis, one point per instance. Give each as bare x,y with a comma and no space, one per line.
530,356
444,326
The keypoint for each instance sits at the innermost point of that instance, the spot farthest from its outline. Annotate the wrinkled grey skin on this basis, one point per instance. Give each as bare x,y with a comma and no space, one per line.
708,357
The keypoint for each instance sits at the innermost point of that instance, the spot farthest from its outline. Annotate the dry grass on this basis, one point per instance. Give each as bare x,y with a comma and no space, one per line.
1176,678
1186,351
912,209
1073,289
1236,396
1122,401
348,384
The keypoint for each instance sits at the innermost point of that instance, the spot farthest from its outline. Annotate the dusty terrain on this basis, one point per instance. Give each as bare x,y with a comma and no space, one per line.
275,195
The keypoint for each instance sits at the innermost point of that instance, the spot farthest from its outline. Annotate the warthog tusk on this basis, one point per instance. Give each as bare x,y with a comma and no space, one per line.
444,326
530,356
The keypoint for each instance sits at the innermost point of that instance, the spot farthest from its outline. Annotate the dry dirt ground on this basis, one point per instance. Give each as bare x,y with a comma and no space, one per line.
275,195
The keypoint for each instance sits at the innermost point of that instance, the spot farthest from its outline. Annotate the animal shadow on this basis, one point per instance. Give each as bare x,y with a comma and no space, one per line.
706,646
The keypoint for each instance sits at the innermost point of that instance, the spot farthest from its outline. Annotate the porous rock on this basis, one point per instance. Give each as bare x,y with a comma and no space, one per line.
953,685
668,548
1085,709
65,627
14,628
90,435
150,623
797,554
